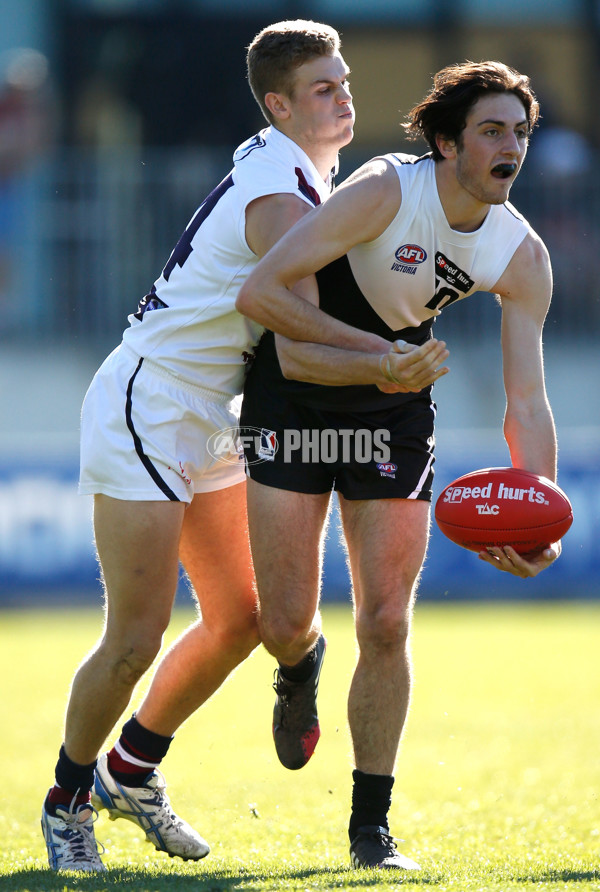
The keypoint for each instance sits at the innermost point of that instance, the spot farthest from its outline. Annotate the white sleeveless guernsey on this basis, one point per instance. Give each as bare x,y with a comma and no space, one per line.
419,264
188,323
397,284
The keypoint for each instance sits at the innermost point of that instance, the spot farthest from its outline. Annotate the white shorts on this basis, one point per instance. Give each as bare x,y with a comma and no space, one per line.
146,435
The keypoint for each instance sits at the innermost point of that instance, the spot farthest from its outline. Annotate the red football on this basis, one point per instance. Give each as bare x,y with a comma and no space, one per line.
503,506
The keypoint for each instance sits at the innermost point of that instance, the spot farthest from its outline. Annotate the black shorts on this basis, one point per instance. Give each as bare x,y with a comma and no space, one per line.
382,454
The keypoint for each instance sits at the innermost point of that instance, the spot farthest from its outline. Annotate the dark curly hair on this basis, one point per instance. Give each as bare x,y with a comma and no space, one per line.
443,112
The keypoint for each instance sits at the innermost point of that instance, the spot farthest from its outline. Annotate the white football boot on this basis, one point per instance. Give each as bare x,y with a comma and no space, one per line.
148,806
70,839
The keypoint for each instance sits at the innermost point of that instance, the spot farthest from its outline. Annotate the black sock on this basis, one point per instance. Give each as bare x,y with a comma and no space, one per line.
71,776
371,800
73,782
303,670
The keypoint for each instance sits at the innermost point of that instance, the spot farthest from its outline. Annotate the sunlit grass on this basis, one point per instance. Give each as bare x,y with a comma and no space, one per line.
497,785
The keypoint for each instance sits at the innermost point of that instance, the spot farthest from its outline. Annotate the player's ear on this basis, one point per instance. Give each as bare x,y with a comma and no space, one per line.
446,146
278,105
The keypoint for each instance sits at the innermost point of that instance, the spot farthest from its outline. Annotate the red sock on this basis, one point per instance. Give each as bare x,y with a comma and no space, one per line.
58,796
127,768
136,754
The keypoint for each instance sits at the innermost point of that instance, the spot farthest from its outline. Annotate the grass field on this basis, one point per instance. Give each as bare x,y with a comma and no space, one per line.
497,786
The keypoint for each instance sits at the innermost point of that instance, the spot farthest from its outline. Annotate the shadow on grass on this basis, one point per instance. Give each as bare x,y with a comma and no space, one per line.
139,880
560,876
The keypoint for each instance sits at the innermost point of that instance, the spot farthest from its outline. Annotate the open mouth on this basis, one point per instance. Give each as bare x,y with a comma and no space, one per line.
504,171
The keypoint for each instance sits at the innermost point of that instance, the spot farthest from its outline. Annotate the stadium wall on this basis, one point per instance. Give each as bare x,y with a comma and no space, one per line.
46,539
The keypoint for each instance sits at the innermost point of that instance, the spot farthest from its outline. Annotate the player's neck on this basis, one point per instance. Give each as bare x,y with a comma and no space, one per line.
323,156
464,212
324,161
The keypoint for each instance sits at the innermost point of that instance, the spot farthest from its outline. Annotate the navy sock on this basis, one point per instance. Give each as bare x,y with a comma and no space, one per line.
73,781
371,800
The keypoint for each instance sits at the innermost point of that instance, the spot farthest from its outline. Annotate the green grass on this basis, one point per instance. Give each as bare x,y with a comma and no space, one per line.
497,786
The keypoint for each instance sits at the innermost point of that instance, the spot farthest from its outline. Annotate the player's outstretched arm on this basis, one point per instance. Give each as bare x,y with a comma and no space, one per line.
525,290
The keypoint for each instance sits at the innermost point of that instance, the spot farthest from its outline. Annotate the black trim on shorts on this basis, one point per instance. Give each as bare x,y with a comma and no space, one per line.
138,443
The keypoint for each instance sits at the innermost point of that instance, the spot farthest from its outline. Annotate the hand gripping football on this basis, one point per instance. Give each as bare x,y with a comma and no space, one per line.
503,506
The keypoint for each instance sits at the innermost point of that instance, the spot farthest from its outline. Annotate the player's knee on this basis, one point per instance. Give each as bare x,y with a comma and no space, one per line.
283,633
385,627
240,635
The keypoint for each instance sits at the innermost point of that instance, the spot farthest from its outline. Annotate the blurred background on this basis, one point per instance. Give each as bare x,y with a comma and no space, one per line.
117,117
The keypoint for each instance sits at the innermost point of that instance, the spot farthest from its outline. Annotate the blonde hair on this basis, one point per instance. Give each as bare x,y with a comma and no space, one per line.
278,50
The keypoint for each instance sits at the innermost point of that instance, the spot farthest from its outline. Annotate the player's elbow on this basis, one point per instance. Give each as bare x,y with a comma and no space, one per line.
296,360
246,301
292,372
251,299
291,369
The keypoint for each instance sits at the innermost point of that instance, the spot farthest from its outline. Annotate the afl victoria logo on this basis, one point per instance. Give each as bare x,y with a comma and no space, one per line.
412,254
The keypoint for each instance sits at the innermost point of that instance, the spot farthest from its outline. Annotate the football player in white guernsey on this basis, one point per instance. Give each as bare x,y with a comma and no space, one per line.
160,496
400,240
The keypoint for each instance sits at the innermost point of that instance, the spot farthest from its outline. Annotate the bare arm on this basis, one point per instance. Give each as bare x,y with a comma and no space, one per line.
525,290
355,212
412,367
528,423
268,219
359,211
